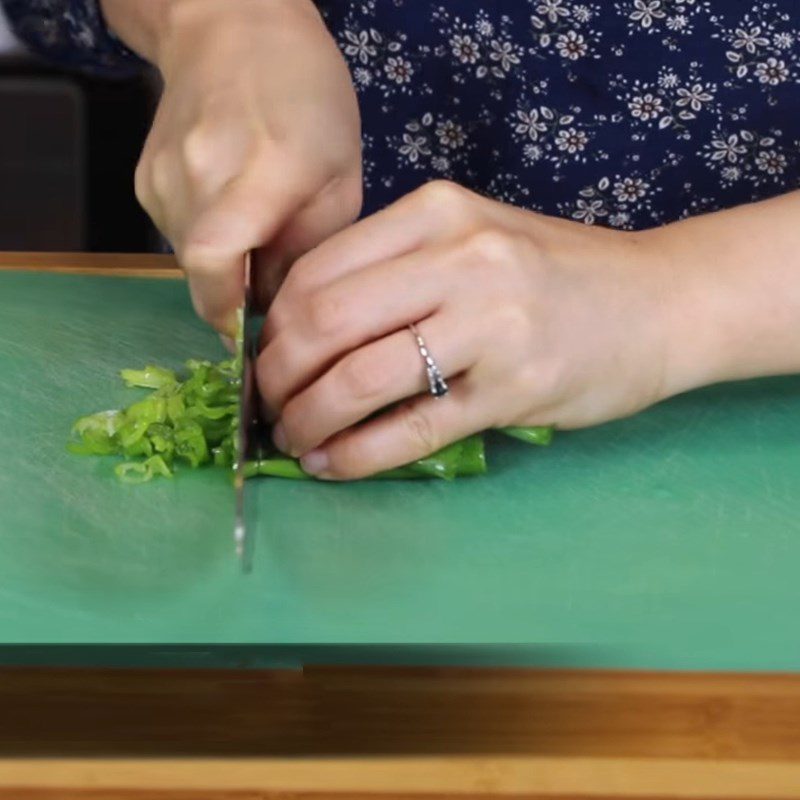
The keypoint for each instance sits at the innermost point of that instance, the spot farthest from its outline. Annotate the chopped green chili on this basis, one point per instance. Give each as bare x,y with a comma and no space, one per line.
193,421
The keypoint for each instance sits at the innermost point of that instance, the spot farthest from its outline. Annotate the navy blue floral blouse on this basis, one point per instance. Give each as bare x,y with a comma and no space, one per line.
625,113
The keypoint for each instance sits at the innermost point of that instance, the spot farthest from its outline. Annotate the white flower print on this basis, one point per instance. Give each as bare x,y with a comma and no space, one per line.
362,45
377,61
619,220
485,28
414,146
582,13
532,153
645,11
563,26
772,71
678,22
494,77
762,48
694,97
614,199
530,124
450,134
490,51
432,142
771,161
552,10
465,49
629,190
398,69
731,174
589,211
670,101
505,54
749,40
748,155
571,140
571,45
674,19
362,77
683,95
668,80
646,107
728,149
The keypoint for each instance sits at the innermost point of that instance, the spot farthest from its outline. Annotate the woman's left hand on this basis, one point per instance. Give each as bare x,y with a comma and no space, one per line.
533,320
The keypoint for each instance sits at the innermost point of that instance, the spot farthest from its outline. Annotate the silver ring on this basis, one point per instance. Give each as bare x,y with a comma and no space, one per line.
437,385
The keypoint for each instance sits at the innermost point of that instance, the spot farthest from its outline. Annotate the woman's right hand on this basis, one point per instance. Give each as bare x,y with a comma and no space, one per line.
255,144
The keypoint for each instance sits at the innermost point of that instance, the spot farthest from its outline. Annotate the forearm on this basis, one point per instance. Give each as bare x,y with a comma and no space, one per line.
733,294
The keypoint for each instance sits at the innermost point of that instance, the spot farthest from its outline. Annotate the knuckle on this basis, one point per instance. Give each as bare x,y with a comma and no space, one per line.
540,381
326,312
361,378
444,201
420,427
493,247
198,151
516,324
440,194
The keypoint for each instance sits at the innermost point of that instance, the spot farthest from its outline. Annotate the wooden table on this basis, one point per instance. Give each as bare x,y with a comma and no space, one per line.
398,733
387,732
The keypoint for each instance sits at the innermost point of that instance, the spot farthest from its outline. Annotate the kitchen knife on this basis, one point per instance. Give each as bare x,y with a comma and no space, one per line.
248,440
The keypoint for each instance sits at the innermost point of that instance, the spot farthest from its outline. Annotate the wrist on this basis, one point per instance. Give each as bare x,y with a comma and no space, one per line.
151,27
227,24
727,317
137,23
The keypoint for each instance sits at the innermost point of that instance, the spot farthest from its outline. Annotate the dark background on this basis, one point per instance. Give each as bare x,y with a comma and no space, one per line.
68,149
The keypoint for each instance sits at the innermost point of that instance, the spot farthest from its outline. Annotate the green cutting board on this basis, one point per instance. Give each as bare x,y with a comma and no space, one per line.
668,540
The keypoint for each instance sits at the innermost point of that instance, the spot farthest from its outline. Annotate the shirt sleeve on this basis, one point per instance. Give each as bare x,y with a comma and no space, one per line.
73,34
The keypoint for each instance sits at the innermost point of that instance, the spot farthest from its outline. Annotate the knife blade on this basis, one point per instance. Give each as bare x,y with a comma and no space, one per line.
248,441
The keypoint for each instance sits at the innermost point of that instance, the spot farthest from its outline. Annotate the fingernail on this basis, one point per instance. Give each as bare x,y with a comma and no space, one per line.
279,438
230,345
315,462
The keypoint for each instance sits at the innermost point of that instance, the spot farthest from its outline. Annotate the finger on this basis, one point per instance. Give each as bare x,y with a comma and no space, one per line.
334,208
433,212
372,378
307,333
247,214
405,434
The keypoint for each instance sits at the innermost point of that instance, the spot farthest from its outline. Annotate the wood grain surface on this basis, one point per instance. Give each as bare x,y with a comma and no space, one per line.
145,265
396,732
382,711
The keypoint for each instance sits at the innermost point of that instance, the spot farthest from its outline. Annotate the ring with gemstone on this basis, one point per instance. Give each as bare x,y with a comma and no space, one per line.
437,385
